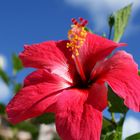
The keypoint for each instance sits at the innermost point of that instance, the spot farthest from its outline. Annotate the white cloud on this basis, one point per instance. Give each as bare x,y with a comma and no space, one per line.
2,62
4,92
131,126
99,10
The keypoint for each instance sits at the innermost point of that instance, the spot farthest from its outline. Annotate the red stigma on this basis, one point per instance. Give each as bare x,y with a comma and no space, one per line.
82,22
74,21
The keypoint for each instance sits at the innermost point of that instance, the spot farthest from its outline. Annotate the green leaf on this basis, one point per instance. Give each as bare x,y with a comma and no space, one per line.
17,87
113,135
119,128
45,118
88,30
17,64
2,109
4,76
139,72
134,137
26,126
116,104
121,20
107,129
112,130
108,126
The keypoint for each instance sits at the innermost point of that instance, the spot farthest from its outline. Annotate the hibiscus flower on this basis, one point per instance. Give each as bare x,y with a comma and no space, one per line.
71,80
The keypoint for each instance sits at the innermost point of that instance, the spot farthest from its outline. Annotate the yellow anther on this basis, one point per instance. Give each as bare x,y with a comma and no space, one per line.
76,35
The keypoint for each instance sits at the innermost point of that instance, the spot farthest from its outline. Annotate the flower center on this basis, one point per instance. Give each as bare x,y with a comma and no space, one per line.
77,35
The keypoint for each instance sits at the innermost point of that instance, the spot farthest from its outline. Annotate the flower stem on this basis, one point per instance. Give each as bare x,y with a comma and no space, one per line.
112,114
111,21
113,117
110,32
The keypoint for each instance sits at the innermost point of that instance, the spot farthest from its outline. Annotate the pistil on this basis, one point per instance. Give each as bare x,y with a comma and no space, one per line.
77,36
79,68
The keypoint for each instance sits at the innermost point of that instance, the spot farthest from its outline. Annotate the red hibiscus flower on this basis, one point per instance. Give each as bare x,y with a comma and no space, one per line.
71,81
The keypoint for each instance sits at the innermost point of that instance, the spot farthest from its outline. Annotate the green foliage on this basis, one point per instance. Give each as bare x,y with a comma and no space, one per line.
4,76
108,126
17,87
56,137
112,130
119,128
89,30
27,126
121,20
116,104
134,137
2,108
17,65
45,118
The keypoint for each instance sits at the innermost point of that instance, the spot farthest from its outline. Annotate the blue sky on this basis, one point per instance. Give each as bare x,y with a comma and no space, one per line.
27,22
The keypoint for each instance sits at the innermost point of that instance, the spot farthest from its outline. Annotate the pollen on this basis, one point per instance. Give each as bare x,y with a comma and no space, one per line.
76,35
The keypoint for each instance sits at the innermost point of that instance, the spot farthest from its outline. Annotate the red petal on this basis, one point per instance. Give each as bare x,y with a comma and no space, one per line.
41,76
46,55
62,46
76,120
98,96
34,100
95,48
68,54
121,73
